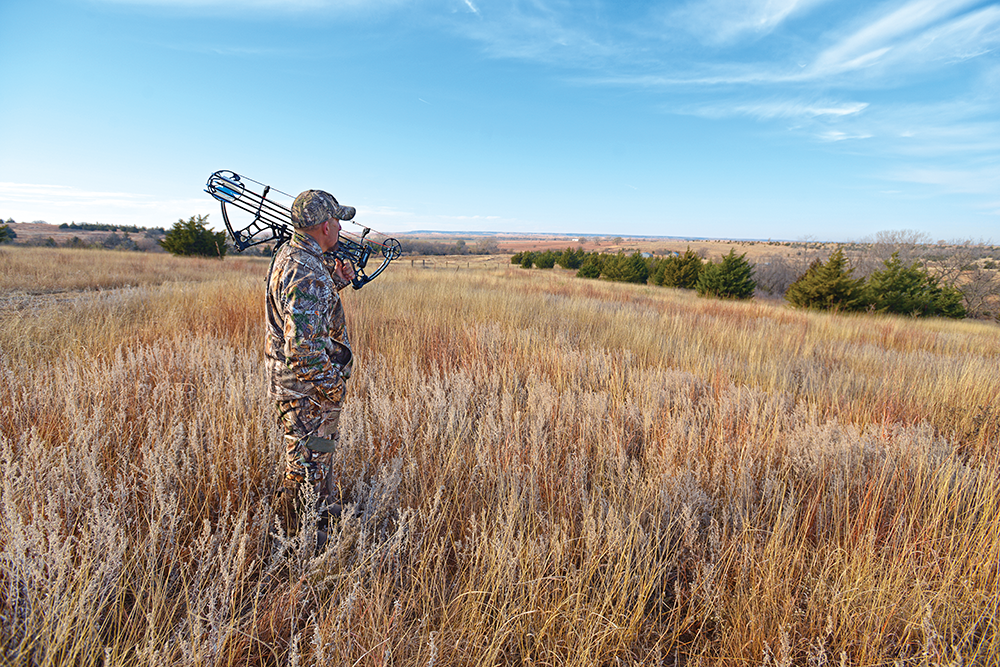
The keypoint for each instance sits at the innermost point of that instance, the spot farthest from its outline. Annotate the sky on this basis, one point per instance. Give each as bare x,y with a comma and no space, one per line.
759,119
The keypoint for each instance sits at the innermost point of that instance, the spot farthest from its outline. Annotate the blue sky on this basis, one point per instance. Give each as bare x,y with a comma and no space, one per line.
781,119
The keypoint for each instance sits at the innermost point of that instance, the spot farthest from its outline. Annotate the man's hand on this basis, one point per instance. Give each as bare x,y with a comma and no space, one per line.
343,270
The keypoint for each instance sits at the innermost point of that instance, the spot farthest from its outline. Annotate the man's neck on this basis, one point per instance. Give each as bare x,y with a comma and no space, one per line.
318,237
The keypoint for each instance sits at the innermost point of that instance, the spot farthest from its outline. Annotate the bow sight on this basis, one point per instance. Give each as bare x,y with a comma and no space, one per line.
272,221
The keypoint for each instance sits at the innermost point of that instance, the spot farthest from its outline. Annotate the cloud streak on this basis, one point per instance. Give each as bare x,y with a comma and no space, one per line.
782,109
724,21
984,180
909,29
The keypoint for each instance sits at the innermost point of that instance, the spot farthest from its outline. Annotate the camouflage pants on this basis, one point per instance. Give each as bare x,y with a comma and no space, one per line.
308,425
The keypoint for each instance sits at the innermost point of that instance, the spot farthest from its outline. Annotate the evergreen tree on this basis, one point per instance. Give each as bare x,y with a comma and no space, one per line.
731,278
828,286
910,290
546,260
192,237
571,259
7,235
636,270
655,265
592,266
626,268
683,271
611,269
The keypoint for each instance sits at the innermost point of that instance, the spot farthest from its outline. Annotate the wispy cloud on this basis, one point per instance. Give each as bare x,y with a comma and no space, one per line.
63,195
991,207
915,23
837,135
771,109
722,21
982,180
540,31
910,42
389,219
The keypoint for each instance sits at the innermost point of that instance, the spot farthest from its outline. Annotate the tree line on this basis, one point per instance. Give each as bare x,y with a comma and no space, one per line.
901,283
101,227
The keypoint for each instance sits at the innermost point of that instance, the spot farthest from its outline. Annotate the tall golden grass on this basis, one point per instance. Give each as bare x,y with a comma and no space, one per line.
547,470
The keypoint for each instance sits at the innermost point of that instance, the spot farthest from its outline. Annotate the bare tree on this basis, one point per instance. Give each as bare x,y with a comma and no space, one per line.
776,273
869,254
981,292
968,266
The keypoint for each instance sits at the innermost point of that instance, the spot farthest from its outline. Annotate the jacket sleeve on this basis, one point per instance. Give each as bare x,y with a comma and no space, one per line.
330,262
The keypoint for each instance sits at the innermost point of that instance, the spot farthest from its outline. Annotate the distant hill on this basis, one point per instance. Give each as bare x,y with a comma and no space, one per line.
36,233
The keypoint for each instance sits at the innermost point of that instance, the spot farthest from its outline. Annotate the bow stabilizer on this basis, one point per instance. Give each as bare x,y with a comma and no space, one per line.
272,221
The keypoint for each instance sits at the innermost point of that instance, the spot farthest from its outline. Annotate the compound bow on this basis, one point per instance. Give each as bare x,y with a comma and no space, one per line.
272,221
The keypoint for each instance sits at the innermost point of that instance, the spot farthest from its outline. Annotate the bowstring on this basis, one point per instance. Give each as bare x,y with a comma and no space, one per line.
381,244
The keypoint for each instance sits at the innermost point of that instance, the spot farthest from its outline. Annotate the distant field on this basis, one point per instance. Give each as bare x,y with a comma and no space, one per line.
548,470
713,249
506,242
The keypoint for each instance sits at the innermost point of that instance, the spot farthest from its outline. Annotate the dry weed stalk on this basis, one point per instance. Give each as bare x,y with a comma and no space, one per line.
546,471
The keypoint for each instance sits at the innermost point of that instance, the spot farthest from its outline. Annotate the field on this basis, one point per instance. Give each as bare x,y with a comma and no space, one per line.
547,470
36,233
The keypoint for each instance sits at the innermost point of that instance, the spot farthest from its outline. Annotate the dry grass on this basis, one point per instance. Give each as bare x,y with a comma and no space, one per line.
32,271
548,471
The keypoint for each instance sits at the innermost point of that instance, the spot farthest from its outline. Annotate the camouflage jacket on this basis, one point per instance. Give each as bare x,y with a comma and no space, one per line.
308,352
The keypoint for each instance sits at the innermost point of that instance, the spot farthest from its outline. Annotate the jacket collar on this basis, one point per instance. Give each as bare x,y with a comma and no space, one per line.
306,242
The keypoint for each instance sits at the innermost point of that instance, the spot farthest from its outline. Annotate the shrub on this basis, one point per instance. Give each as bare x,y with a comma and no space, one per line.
732,278
908,289
682,271
115,242
592,266
626,268
192,237
547,259
828,286
572,259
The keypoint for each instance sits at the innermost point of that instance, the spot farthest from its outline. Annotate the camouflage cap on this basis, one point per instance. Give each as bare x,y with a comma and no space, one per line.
313,207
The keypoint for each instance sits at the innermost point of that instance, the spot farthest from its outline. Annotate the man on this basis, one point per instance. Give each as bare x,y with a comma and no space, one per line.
308,354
